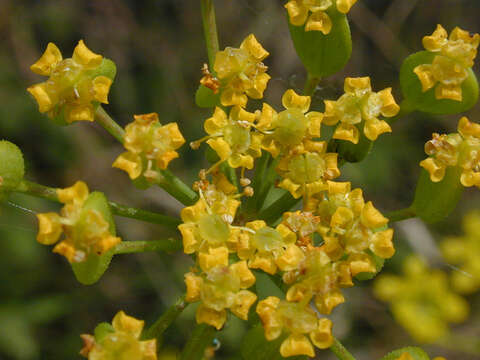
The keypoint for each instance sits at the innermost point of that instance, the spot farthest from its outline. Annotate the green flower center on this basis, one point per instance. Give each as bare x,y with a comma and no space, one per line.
213,229
267,239
237,137
306,168
291,127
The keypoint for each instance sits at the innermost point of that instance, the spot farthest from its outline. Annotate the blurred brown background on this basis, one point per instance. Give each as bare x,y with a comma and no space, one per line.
159,49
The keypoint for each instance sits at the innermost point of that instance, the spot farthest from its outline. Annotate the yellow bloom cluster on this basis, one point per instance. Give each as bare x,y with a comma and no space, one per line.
121,343
74,85
150,146
421,300
461,149
313,14
464,252
360,106
86,231
454,56
241,72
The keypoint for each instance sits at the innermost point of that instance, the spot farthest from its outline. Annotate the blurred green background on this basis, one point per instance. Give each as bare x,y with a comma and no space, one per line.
159,50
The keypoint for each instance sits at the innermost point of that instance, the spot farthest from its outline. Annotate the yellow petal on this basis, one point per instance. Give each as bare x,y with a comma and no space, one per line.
67,250
44,100
211,317
50,58
426,76
330,115
382,245
315,122
322,336
452,92
246,277
344,6
130,163
264,262
214,257
347,132
77,193
291,100
80,113
84,56
254,48
326,303
297,12
470,178
296,344
435,41
436,170
360,84
221,147
244,299
229,97
389,106
49,228
194,286
101,87
467,128
319,21
374,128
190,242
217,122
128,324
371,217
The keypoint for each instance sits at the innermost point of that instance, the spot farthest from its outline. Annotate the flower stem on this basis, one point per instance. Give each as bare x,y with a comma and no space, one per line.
109,124
49,193
201,337
273,212
177,188
210,30
399,215
129,247
340,351
311,84
165,320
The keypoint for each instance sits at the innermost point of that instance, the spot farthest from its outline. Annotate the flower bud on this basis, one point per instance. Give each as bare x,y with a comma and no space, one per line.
12,167
323,55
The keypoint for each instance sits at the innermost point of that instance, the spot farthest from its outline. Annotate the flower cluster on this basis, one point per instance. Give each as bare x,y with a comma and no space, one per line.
313,13
120,341
360,107
421,300
75,85
150,146
454,55
464,252
460,150
85,228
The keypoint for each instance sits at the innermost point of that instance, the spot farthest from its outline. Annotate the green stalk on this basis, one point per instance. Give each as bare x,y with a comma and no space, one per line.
177,188
252,203
399,215
129,247
49,193
340,351
109,124
311,85
210,30
202,337
273,212
165,320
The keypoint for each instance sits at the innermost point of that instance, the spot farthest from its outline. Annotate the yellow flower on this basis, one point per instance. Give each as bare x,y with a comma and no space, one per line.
121,343
267,248
75,86
360,106
460,149
291,127
241,72
206,228
421,301
303,224
313,13
319,278
232,137
464,252
455,55
86,231
300,321
305,171
351,226
150,146
221,288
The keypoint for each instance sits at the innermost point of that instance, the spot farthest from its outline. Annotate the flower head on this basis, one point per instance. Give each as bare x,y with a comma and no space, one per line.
421,300
85,228
299,321
75,85
303,224
313,14
241,72
464,252
360,106
454,56
461,149
150,146
122,342
219,289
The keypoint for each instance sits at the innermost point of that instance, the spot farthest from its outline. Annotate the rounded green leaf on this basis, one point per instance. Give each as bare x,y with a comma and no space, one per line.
435,201
102,330
206,98
415,352
426,101
12,166
324,55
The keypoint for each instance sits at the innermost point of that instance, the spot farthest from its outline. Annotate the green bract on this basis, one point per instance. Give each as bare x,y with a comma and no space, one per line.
426,101
323,55
12,167
205,98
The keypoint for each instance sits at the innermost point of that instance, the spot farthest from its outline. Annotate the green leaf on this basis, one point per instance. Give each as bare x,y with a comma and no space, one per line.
426,101
12,166
415,352
324,55
435,201
205,98
102,330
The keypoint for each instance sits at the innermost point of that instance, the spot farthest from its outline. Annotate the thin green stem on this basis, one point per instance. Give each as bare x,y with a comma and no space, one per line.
109,124
340,351
273,212
177,188
202,336
165,320
399,215
210,30
129,247
311,85
49,193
